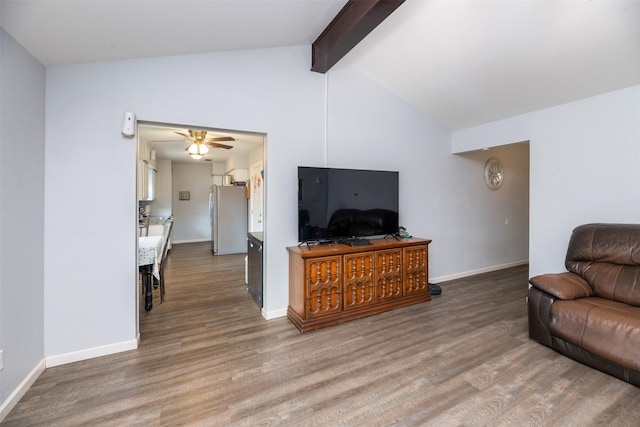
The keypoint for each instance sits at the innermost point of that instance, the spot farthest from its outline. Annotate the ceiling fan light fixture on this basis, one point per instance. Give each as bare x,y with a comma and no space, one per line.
198,149
196,156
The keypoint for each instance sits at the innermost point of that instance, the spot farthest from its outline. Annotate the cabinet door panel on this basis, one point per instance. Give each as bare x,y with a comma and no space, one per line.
143,177
388,274
415,270
156,230
323,287
358,289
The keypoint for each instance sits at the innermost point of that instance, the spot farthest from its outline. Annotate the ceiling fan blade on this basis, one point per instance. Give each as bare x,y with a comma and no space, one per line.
183,134
216,145
222,138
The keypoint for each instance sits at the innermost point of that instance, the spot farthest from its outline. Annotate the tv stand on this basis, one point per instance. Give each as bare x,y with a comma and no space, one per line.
333,284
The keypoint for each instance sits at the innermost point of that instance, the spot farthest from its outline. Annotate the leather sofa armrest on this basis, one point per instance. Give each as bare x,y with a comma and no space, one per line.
565,286
539,312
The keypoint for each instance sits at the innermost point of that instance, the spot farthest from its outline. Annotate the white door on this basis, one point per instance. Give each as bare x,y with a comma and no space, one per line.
256,197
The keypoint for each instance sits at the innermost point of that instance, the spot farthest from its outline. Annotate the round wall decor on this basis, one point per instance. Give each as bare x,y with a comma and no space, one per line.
493,173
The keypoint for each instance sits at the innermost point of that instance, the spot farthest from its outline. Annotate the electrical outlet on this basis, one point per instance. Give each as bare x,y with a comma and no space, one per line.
1,359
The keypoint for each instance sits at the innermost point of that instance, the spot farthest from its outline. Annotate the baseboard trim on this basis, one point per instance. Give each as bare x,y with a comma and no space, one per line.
274,314
90,353
22,388
190,241
478,271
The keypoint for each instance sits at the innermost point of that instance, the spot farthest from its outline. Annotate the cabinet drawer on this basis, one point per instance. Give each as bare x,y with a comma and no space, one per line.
357,280
388,274
415,261
323,285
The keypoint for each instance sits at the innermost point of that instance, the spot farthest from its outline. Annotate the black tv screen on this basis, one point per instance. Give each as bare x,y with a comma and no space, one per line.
343,203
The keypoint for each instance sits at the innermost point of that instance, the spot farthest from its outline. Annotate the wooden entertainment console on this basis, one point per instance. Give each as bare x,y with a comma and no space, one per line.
331,284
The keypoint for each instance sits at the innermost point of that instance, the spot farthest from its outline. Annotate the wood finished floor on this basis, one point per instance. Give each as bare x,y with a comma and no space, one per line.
208,358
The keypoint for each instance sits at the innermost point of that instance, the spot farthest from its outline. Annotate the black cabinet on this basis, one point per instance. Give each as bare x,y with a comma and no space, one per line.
254,266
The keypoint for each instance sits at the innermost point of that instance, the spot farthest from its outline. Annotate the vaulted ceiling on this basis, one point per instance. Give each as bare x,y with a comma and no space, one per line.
463,62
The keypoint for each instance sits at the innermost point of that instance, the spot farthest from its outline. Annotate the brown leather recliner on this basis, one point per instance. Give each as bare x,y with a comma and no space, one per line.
591,313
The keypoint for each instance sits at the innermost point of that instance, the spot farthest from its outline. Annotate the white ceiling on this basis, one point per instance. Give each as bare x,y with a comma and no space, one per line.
470,62
75,31
463,62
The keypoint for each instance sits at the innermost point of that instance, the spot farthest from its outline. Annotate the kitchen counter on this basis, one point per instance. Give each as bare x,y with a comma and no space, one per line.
257,235
158,220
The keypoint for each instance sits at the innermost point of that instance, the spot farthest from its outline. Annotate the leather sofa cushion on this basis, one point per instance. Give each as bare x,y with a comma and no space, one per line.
603,327
615,282
607,256
563,285
613,243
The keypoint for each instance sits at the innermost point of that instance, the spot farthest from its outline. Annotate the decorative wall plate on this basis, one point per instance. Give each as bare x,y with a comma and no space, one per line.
493,173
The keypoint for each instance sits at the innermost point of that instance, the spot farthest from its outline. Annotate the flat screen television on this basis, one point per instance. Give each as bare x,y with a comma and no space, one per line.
336,204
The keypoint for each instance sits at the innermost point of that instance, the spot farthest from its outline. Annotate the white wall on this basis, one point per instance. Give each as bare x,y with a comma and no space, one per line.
22,92
192,223
584,167
442,196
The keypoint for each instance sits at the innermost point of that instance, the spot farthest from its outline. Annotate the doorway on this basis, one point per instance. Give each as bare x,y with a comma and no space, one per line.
231,155
502,211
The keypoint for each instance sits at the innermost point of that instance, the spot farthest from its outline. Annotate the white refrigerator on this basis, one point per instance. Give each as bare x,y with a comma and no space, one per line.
228,215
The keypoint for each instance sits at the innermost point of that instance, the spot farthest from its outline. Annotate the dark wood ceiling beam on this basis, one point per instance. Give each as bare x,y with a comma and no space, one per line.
352,24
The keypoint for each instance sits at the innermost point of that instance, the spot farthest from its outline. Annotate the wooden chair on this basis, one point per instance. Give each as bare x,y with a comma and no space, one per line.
143,231
143,226
165,252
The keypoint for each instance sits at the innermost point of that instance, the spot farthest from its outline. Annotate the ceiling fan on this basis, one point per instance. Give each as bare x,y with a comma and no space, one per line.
198,137
199,148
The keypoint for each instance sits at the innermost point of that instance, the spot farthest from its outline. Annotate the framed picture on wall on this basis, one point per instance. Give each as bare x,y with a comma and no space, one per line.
184,195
